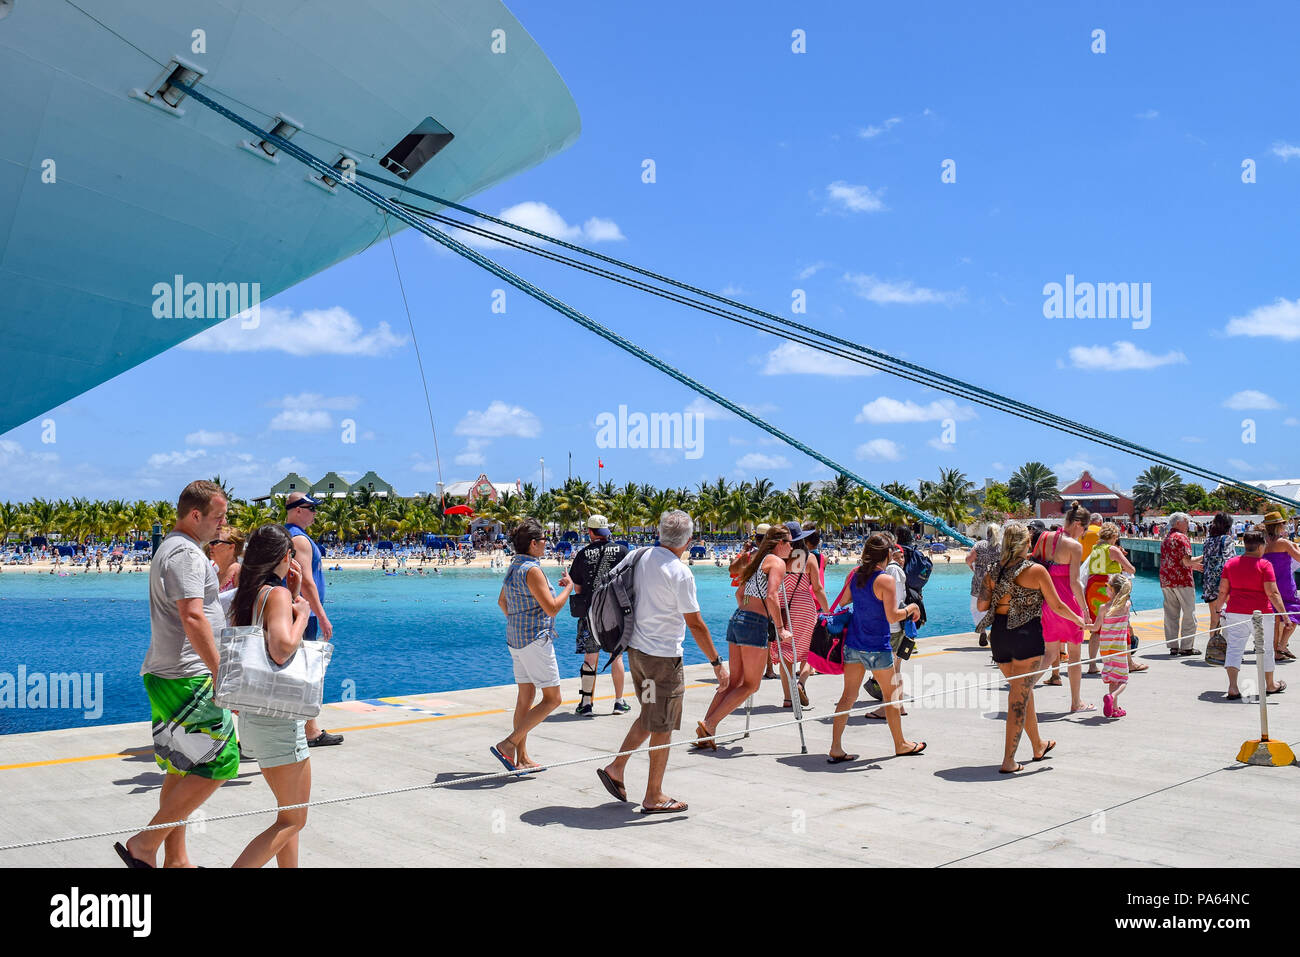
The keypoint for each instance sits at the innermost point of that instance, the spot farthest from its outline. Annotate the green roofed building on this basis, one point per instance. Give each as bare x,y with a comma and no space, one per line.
331,485
293,482
374,484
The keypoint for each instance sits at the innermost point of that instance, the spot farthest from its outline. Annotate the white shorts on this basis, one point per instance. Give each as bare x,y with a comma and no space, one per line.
976,615
1240,635
535,664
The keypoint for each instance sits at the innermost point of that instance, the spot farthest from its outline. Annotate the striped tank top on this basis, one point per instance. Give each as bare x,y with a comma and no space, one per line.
526,622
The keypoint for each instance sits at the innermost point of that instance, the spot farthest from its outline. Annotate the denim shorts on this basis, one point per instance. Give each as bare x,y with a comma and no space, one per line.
873,660
747,628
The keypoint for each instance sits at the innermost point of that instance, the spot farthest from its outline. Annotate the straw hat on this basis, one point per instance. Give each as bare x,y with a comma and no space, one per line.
1273,518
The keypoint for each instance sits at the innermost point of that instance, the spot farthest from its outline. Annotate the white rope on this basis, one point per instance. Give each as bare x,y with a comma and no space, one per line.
499,775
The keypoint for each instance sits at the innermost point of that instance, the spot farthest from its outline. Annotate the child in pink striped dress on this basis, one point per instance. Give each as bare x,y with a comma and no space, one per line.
1112,622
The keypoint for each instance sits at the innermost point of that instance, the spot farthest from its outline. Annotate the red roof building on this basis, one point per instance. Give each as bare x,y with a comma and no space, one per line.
1092,495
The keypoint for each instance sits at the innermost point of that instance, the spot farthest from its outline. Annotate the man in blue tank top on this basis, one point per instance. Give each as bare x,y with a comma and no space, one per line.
301,512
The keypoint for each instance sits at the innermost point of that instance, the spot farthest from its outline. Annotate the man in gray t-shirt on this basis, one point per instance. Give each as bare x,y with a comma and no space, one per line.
179,571
194,740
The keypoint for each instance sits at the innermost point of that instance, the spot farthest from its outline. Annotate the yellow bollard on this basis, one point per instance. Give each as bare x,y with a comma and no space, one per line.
1262,751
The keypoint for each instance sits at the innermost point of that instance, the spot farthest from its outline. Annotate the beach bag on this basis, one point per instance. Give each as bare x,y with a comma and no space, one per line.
613,606
250,682
907,644
826,648
1216,649
917,567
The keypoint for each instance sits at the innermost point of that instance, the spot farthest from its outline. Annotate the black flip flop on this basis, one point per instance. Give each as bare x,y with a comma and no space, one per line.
911,754
841,759
1018,768
667,807
1046,751
129,860
1278,690
1232,697
616,788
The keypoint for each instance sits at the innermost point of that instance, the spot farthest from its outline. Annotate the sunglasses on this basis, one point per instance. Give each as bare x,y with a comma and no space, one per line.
310,508
217,541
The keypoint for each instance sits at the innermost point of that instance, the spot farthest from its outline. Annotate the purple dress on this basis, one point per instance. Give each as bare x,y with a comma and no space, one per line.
1281,562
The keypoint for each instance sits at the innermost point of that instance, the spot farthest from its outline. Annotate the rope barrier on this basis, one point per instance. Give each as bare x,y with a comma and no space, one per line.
605,756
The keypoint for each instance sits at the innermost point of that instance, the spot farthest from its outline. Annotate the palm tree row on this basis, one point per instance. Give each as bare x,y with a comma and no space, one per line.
717,507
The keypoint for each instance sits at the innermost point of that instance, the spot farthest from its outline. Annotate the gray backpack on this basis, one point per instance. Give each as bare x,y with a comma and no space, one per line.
613,606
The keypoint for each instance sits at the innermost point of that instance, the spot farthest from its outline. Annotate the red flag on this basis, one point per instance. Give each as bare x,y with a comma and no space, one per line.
600,464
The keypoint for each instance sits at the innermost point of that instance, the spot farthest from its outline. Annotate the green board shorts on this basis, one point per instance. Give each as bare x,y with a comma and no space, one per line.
191,735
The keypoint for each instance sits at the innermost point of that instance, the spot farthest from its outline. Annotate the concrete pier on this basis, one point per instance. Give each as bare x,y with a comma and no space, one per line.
1150,789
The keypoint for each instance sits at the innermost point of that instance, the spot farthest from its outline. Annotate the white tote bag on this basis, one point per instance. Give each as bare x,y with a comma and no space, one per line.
248,680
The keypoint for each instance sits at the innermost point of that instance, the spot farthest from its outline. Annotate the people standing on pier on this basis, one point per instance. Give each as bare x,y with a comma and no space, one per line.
803,593
895,570
530,607
1282,553
194,740
590,567
1178,586
1012,597
300,513
1220,545
278,744
872,593
1104,560
1063,554
1110,622
757,619
1248,585
665,606
982,559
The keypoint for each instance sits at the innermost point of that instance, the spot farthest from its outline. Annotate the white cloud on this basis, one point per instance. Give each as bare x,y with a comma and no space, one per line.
885,409
1239,465
203,437
1120,356
472,453
998,467
1073,467
499,419
1291,421
809,271
1250,399
872,131
302,420
941,445
1280,320
794,358
1286,151
882,449
160,460
312,332
540,218
855,199
1194,439
905,292
314,400
757,461
709,409
1146,115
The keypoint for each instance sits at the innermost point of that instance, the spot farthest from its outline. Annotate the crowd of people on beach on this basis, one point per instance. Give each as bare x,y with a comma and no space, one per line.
1035,595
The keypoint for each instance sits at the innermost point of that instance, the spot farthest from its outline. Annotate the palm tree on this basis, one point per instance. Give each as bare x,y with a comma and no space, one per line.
737,510
12,520
893,514
1033,482
1155,488
953,497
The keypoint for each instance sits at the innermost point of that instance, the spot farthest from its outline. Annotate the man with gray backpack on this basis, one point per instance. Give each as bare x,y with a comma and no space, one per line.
591,566
646,605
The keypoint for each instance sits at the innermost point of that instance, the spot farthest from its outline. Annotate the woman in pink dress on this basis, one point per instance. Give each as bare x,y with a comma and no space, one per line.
1062,553
803,593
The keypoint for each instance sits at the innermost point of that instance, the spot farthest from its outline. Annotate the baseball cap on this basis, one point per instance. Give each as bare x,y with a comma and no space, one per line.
600,525
306,500
761,530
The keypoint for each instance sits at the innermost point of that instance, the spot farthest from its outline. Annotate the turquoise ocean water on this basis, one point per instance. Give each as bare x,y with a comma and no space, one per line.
393,635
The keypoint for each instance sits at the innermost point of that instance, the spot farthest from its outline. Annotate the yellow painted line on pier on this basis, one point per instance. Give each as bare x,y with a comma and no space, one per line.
129,752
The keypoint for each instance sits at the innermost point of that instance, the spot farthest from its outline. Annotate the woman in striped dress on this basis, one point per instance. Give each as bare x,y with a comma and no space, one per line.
803,592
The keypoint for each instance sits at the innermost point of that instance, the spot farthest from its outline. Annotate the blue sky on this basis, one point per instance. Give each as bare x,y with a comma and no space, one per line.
819,171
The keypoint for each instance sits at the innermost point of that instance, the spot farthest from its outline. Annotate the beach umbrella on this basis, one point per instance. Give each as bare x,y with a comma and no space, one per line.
458,510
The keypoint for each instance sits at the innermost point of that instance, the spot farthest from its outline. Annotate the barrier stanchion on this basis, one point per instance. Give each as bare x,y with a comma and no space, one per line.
1262,751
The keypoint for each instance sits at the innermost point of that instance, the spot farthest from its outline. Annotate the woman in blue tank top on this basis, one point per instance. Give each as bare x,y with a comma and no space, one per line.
866,644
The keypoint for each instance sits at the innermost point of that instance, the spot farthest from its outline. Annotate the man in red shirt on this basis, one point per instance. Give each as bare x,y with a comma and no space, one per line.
1176,567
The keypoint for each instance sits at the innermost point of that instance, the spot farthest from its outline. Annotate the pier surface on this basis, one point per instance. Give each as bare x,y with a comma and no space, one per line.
1160,787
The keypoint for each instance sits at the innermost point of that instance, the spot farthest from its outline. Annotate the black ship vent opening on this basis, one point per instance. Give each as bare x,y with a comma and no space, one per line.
416,148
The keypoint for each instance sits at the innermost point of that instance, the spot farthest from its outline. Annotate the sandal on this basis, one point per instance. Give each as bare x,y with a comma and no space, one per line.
803,696
665,807
703,742
1281,686
1018,767
616,789
916,749
1047,750
1055,683
129,859
841,759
